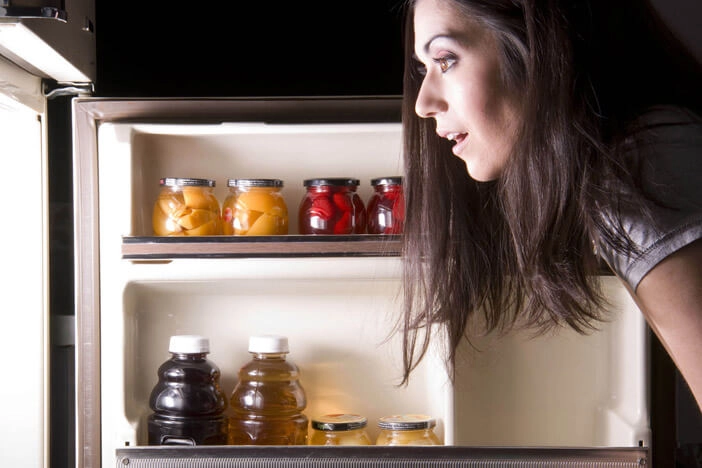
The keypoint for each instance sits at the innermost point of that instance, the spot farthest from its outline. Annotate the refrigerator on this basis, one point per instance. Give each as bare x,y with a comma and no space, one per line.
93,296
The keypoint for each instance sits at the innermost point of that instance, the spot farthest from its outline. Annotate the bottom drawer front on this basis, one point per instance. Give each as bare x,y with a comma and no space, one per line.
376,456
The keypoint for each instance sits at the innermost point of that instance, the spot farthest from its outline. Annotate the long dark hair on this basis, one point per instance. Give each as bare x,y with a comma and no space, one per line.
518,252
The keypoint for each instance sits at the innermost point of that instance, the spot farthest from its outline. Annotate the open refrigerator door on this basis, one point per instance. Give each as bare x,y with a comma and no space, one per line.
46,49
24,283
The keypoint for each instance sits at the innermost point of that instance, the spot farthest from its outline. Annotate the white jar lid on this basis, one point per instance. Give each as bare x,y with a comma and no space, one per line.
268,344
189,344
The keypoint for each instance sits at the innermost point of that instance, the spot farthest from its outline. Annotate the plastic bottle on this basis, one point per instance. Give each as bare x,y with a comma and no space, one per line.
268,400
187,401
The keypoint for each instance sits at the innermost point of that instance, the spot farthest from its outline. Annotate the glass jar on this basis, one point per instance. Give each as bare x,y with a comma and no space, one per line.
407,429
328,207
186,207
340,429
386,207
359,208
255,207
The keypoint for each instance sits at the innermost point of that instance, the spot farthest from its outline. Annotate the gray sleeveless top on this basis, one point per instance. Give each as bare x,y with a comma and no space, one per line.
671,153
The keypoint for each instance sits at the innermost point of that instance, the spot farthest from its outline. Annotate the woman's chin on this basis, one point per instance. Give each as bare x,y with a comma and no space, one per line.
481,173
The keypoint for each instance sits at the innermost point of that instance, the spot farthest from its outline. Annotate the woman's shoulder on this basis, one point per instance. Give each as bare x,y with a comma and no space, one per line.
670,114
667,124
667,141
667,145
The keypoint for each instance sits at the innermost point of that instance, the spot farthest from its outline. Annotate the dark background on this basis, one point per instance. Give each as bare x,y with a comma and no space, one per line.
283,48
304,48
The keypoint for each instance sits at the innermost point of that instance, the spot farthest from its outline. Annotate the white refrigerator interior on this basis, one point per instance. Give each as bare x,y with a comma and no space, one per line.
336,312
24,284
558,390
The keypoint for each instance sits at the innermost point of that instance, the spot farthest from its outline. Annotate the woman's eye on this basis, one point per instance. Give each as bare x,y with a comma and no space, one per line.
445,62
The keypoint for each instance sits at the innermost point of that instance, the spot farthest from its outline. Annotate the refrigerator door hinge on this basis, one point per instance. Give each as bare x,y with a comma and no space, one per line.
53,89
63,330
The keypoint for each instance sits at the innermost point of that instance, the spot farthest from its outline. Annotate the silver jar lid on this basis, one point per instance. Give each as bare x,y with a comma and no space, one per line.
185,181
394,180
254,183
407,422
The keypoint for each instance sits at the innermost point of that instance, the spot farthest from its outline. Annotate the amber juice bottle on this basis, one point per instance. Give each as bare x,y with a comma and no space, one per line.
268,400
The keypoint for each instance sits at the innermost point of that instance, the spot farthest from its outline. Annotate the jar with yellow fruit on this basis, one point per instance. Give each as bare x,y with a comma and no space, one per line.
186,207
255,207
339,429
407,429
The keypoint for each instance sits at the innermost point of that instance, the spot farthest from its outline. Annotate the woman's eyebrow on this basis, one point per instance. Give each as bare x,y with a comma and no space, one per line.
427,45
459,39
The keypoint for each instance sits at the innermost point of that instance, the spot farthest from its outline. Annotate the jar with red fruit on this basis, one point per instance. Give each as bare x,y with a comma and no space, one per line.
386,207
359,208
328,206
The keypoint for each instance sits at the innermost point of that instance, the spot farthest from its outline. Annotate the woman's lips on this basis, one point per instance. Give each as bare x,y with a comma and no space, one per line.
460,140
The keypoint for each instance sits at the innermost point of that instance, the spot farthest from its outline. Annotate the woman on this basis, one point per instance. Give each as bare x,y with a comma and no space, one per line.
541,137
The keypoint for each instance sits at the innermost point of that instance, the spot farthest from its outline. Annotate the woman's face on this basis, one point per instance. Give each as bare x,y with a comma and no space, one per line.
463,90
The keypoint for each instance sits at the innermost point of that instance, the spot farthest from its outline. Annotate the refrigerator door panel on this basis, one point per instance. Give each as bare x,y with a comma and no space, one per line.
562,389
337,310
24,285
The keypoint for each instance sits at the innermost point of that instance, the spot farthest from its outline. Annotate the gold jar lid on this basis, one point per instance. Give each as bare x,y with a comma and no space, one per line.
339,422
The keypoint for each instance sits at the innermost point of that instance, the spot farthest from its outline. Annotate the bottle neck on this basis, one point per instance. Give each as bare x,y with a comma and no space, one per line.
190,356
269,356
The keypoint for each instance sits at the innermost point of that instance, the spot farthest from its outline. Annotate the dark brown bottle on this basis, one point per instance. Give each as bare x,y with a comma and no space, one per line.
187,401
268,400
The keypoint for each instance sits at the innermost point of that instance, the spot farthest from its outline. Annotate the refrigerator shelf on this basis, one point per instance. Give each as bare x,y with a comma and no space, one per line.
378,456
358,245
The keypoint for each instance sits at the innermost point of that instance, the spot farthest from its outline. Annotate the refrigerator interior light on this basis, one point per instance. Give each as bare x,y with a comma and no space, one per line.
21,45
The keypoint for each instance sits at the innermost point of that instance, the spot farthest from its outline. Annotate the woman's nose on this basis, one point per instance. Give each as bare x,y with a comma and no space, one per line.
429,100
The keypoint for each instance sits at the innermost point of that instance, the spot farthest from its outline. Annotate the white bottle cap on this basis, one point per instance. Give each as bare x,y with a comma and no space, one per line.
189,344
268,344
